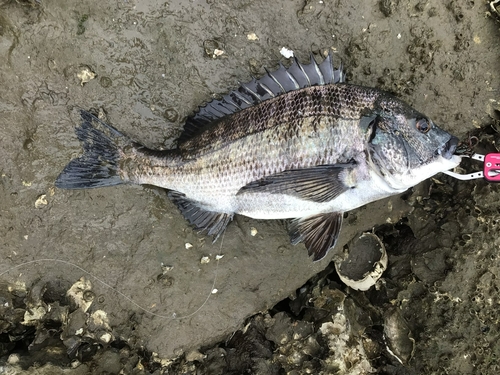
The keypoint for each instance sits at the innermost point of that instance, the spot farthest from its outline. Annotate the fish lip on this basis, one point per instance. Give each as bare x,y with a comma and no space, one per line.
448,149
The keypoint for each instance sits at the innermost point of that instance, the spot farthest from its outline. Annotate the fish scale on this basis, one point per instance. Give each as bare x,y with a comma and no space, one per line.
301,149
342,101
299,144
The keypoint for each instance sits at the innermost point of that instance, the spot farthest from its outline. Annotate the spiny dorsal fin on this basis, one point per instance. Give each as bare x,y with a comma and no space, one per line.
272,84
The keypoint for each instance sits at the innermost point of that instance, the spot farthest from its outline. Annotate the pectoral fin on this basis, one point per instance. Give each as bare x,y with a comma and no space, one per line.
318,184
212,222
319,233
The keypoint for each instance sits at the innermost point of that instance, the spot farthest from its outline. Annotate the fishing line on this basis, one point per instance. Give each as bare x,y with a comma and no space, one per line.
174,316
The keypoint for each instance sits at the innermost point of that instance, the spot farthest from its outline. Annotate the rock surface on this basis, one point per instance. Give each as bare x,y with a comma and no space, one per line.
149,297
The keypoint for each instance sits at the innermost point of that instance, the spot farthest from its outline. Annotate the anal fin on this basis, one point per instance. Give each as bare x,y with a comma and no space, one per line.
319,233
212,222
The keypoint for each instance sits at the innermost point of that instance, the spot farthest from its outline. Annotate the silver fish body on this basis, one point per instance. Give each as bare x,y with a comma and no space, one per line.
308,148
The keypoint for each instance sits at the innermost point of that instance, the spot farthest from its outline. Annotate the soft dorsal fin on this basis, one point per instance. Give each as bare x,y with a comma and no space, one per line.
272,84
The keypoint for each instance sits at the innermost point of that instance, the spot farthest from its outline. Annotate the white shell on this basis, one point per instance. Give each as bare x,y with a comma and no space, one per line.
364,263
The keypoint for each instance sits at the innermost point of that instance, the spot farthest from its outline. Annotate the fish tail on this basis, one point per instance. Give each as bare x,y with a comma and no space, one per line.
99,164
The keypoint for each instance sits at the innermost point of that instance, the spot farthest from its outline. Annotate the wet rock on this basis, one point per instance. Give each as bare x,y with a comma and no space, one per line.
296,342
213,48
439,56
105,82
360,314
347,354
215,361
495,8
75,323
195,355
249,350
109,362
456,10
55,291
308,7
81,295
388,7
400,341
431,266
280,331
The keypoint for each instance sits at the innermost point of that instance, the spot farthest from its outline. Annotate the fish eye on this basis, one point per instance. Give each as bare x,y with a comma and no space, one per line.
423,126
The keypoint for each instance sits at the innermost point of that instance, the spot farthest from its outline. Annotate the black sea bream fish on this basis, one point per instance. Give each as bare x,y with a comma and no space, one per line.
297,144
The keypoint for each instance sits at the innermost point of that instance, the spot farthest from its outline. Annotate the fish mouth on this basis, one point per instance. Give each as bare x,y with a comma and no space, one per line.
448,149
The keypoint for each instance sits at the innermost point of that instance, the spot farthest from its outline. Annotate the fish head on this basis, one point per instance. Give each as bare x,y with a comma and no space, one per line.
406,146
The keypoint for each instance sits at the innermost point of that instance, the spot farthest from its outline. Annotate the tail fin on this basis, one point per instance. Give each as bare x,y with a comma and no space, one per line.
98,166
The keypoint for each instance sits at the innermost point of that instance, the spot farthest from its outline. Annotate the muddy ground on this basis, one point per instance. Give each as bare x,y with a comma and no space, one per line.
160,299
